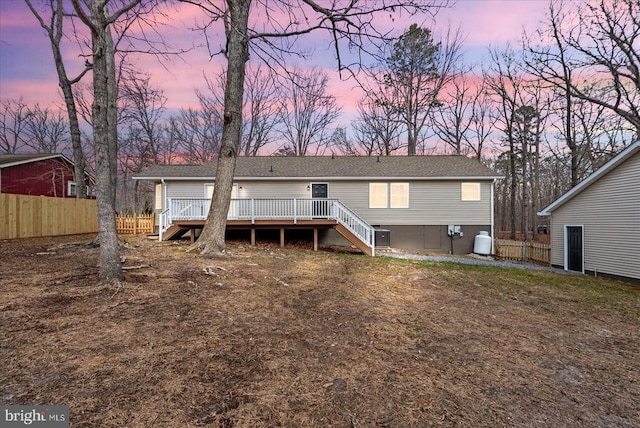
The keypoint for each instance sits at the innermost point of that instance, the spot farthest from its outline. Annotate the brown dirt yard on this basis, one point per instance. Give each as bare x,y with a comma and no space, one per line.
270,337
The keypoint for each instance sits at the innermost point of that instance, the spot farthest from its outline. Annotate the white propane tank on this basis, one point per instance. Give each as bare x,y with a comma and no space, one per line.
482,243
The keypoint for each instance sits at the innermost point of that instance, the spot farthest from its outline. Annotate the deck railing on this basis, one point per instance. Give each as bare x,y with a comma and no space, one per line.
271,209
253,209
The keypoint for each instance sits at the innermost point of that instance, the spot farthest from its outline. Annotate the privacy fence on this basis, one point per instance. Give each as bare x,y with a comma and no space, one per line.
523,251
23,216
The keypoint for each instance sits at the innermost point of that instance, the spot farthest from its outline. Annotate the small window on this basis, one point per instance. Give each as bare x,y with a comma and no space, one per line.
71,188
470,191
399,195
378,195
158,196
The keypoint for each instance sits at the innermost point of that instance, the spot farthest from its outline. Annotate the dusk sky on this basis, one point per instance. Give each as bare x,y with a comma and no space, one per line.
27,70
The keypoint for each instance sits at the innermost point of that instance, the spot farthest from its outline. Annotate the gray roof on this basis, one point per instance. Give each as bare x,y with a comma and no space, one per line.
326,167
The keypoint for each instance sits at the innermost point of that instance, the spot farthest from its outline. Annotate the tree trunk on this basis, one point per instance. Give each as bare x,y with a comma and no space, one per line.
104,128
211,240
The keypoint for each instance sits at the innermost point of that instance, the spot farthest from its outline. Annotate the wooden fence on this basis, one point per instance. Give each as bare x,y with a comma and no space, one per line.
23,216
136,223
523,251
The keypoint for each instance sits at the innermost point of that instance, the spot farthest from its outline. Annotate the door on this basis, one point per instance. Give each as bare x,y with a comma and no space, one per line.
320,207
574,248
233,206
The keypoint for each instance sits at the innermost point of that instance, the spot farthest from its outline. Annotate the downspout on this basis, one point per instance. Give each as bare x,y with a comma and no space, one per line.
164,194
493,237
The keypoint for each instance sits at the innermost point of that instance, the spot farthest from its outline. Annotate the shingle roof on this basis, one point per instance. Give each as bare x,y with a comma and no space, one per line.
347,167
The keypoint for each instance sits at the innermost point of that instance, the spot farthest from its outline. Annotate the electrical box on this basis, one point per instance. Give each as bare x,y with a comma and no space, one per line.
383,238
454,230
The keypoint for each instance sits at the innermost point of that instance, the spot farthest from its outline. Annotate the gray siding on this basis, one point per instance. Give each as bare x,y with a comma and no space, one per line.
430,202
186,189
609,211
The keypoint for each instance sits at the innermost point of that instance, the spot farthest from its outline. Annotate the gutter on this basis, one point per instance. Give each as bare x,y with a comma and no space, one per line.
328,178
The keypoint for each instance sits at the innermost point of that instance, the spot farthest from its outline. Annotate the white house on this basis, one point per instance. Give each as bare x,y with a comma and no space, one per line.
427,203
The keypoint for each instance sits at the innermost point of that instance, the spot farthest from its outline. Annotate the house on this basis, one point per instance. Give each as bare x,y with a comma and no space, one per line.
425,203
37,175
595,226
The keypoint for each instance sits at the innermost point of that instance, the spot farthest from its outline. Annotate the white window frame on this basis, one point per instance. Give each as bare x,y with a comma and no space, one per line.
470,192
71,188
399,195
382,192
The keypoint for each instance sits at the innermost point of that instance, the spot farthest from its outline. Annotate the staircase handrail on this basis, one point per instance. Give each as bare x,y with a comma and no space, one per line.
355,224
165,222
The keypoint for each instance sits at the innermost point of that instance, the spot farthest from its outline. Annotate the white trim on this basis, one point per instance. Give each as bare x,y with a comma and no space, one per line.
328,178
38,159
317,182
566,245
477,186
71,188
615,161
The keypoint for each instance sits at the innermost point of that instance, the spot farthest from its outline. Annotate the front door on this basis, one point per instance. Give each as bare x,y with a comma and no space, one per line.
574,248
320,207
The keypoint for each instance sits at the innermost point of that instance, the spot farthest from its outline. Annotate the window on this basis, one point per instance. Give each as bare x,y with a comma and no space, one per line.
378,195
399,195
71,188
470,191
388,195
158,196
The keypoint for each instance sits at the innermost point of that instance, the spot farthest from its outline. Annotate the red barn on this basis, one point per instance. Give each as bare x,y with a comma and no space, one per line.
37,175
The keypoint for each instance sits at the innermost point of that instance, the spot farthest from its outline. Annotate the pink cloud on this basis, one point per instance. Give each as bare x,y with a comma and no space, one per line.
26,68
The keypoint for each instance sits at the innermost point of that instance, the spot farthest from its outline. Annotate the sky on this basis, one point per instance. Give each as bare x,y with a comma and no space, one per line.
27,70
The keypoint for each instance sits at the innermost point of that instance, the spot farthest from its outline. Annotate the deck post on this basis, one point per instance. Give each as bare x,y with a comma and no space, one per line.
281,238
192,234
253,236
295,214
315,239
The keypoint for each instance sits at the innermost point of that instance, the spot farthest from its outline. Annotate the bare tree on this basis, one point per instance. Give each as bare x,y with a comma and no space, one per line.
342,144
464,119
414,73
48,131
483,119
261,106
144,106
595,56
453,115
378,127
350,25
197,133
506,82
14,118
54,27
95,14
306,113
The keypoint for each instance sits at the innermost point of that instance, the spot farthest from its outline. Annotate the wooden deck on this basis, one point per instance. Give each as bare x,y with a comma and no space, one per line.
180,227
